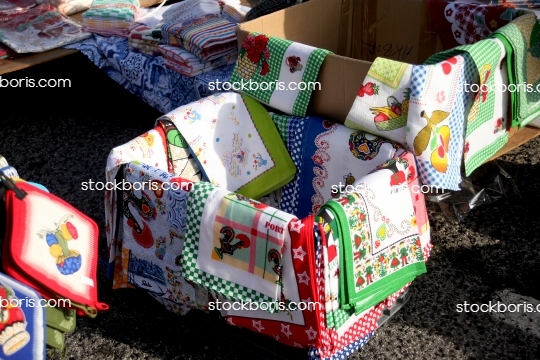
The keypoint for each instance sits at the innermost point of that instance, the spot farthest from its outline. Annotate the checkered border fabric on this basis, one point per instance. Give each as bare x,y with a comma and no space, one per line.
196,200
313,65
282,125
419,74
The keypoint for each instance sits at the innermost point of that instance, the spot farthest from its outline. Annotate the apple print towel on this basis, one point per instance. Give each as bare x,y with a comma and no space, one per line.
380,250
235,245
153,230
22,328
277,72
382,103
329,157
436,120
521,39
486,118
235,143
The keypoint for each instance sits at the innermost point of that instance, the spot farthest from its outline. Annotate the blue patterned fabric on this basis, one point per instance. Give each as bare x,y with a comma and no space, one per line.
146,76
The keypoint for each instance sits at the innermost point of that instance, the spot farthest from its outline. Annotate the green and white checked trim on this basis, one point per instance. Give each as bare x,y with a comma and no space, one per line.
313,65
486,153
196,201
282,125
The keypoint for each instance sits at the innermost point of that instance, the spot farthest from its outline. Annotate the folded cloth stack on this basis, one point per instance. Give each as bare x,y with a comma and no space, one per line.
209,37
380,248
68,7
145,39
235,142
40,29
233,14
190,10
111,17
11,8
187,64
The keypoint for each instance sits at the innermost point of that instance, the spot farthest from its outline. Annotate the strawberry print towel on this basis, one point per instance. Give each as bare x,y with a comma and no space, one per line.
234,245
382,103
235,142
380,248
281,70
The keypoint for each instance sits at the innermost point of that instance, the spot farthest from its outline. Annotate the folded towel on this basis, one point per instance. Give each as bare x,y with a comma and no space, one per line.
145,32
150,48
111,17
382,103
189,10
284,72
154,226
235,143
233,14
40,29
329,157
185,63
379,245
521,39
234,245
208,37
485,129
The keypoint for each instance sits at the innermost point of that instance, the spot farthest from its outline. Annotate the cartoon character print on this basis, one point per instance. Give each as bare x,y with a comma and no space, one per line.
13,334
237,158
68,261
143,144
192,116
141,231
258,161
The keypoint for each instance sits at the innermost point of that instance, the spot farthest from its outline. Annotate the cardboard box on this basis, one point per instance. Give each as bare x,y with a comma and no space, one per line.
357,31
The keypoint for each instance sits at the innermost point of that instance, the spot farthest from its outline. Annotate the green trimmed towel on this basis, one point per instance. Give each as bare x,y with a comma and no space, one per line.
380,250
277,72
235,143
485,128
234,245
61,319
521,39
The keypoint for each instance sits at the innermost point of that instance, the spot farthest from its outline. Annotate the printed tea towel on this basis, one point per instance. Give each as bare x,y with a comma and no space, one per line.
486,119
329,157
22,326
436,120
521,39
278,72
379,249
111,17
382,103
235,143
235,245
154,227
40,29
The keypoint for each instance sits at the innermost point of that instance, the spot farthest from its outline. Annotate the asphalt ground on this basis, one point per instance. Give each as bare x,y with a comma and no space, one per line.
61,137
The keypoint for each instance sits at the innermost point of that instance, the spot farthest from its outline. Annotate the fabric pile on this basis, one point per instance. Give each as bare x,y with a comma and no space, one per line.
111,17
11,8
145,39
187,64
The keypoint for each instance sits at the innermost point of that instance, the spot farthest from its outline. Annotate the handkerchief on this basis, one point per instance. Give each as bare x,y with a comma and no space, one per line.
279,73
382,103
234,245
235,143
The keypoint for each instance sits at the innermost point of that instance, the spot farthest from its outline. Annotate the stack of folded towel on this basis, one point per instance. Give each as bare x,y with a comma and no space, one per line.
187,64
111,17
145,39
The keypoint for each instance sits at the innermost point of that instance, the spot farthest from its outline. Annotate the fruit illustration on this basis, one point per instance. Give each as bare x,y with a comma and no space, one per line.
394,115
67,261
421,140
369,89
13,333
439,156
